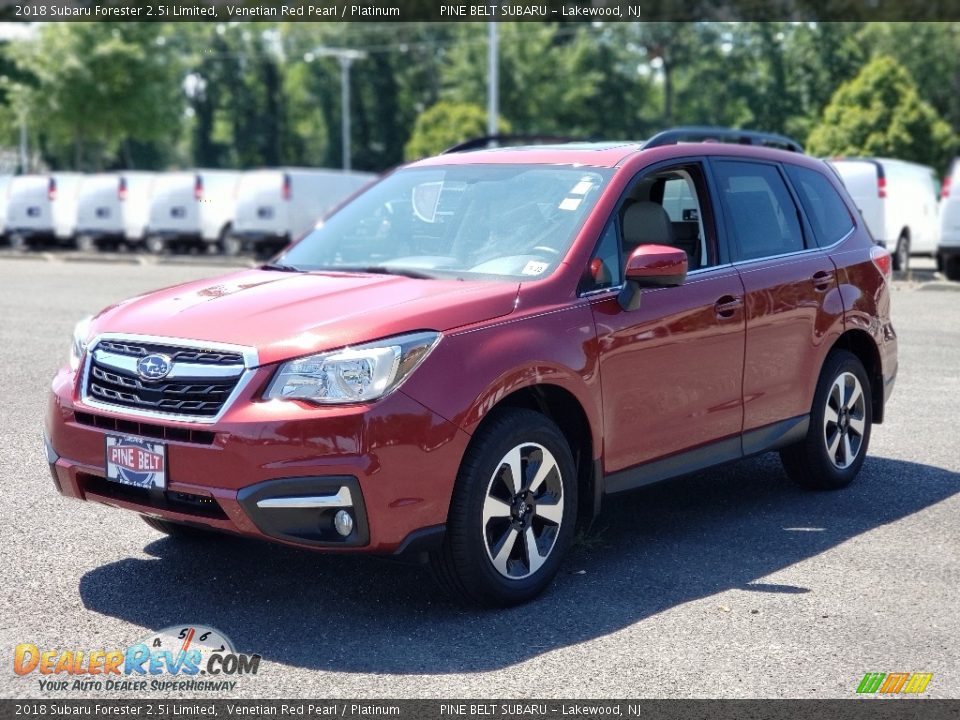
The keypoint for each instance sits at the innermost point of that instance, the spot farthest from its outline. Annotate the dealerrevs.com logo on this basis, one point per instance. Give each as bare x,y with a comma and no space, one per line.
183,657
894,683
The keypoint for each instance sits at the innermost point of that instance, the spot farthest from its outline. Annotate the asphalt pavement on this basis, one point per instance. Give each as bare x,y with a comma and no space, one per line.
729,583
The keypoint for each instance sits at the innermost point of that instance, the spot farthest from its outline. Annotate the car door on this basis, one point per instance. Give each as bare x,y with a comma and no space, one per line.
671,369
791,301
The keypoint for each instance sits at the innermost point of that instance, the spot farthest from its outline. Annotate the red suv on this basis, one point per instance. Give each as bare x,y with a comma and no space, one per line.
467,357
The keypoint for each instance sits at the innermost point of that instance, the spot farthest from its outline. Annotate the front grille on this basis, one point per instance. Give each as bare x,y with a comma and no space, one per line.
140,429
175,353
115,381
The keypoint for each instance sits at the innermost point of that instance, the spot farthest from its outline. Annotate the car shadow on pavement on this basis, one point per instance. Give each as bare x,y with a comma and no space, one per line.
651,550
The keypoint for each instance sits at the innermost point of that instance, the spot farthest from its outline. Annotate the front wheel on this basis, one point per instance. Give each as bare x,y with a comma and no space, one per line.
835,447
901,256
512,514
155,244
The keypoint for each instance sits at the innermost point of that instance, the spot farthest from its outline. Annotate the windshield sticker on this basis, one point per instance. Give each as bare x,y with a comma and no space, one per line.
534,267
581,188
426,197
570,203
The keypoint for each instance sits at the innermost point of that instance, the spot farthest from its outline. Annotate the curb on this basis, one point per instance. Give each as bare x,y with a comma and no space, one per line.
129,259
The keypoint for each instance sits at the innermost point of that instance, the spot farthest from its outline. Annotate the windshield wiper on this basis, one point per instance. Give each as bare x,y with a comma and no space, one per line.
280,267
384,270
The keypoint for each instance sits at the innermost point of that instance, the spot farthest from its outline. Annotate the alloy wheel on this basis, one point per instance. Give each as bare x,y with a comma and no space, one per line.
844,420
523,510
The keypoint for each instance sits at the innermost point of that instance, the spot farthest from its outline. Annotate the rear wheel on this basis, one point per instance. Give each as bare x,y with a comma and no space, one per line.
901,256
19,242
951,267
176,530
155,244
835,447
86,243
231,245
512,514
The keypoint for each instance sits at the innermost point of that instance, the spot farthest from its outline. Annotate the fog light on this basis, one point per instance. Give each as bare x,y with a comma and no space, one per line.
343,522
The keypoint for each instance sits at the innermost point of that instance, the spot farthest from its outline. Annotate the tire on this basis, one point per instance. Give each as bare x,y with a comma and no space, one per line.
833,451
155,244
87,243
951,267
231,245
490,563
19,242
176,530
901,254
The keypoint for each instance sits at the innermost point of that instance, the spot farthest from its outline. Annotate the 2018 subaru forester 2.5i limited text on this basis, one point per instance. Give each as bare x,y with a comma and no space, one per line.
462,361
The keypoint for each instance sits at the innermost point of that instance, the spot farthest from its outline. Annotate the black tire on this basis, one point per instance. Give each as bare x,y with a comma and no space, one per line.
232,246
19,242
810,462
87,243
176,530
464,565
901,254
156,245
951,267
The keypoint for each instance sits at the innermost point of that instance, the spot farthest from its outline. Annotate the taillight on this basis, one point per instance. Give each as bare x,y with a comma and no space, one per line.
51,190
881,187
945,190
882,259
286,186
198,188
122,189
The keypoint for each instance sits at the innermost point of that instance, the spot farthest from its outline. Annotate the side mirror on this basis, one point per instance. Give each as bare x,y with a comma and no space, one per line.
652,266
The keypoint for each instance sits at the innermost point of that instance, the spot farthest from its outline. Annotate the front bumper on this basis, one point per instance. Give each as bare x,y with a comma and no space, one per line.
397,460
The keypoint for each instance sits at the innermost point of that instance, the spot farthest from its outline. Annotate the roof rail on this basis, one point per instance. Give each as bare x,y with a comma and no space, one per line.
705,133
485,141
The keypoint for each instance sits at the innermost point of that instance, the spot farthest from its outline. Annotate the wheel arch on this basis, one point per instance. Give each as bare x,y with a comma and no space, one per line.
859,343
564,409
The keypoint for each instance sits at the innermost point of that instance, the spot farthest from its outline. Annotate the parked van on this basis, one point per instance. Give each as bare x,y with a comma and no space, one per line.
948,252
279,205
191,209
42,208
113,209
4,189
898,201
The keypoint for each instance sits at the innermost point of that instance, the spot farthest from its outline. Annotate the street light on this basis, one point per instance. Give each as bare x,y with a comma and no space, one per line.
346,57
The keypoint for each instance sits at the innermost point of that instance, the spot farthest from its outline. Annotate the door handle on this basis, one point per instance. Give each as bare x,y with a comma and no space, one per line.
727,306
822,280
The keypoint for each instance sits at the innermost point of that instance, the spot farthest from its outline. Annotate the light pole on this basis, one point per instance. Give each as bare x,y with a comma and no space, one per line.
493,80
346,57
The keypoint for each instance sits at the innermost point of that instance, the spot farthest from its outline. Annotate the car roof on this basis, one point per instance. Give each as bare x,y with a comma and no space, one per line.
600,154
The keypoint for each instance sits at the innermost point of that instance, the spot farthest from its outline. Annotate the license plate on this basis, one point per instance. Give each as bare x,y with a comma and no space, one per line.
135,461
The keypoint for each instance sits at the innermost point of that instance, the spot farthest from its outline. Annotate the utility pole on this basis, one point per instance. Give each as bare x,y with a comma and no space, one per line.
24,151
346,58
493,79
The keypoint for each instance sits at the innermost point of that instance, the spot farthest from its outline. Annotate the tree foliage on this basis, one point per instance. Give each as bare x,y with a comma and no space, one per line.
880,113
444,125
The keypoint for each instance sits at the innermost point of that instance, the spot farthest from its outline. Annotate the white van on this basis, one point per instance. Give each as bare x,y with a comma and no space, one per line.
191,209
42,208
113,209
898,201
948,253
4,190
279,205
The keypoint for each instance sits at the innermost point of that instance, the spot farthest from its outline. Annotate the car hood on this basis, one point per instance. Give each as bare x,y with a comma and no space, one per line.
285,315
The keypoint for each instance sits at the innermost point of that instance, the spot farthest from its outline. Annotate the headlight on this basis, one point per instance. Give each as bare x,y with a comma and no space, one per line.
79,344
356,374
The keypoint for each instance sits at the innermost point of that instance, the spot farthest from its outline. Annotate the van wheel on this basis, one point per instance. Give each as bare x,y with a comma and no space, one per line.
901,256
512,514
231,245
86,243
835,447
176,530
19,242
155,244
951,267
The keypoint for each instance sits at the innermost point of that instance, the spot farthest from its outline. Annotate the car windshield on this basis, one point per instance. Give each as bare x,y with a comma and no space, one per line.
463,221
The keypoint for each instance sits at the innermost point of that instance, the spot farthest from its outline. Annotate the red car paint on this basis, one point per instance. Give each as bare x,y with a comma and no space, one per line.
734,349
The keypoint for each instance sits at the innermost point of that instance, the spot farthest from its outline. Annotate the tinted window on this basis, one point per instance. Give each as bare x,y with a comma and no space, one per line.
824,207
759,209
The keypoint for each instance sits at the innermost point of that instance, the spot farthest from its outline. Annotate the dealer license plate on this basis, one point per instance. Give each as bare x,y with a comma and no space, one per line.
135,461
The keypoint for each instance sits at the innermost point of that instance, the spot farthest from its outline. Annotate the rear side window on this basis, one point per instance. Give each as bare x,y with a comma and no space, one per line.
760,212
824,207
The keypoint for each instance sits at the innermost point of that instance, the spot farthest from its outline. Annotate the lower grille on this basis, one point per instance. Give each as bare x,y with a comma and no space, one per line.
140,429
186,503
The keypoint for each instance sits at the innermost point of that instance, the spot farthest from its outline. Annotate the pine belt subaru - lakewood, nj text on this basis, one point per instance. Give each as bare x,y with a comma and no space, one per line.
463,360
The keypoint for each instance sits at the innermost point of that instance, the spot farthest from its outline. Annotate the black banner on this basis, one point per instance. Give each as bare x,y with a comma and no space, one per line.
854,709
473,11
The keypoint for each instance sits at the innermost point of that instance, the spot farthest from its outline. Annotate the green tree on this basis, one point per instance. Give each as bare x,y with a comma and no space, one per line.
446,124
881,113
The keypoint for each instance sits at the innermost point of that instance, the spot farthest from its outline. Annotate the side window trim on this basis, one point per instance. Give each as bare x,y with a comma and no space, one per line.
805,229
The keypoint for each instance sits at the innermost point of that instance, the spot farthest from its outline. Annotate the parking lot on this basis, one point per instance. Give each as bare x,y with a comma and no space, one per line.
729,583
